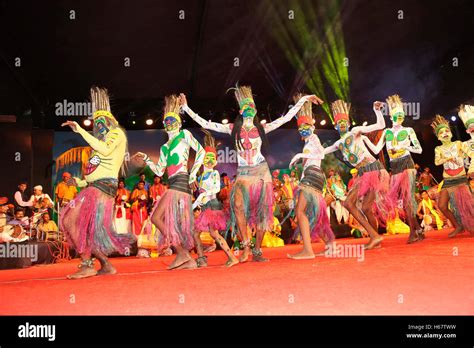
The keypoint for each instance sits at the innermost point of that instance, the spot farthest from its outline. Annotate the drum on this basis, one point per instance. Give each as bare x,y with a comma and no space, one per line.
15,231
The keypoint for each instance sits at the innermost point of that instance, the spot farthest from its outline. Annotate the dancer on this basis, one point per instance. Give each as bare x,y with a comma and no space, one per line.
466,113
252,193
87,220
401,142
373,179
455,190
212,217
313,220
173,215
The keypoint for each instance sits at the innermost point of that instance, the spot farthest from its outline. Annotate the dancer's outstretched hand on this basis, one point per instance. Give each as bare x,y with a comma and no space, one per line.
293,161
315,99
194,185
182,99
140,156
74,126
378,105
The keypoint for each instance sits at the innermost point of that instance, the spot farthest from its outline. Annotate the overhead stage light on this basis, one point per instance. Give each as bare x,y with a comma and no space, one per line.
225,121
87,122
149,122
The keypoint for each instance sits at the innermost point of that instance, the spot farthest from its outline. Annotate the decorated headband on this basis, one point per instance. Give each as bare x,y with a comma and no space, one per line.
466,113
305,114
439,123
340,110
174,115
395,105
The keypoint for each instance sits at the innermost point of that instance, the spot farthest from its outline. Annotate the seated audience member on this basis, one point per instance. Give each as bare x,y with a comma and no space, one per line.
47,227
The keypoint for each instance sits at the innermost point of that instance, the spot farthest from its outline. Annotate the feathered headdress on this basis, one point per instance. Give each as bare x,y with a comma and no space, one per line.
101,104
438,123
172,107
395,105
340,110
243,94
210,144
305,114
466,113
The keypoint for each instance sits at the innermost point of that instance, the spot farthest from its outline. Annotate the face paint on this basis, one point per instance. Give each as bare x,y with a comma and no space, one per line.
99,123
210,160
398,118
171,124
444,134
342,126
305,130
248,110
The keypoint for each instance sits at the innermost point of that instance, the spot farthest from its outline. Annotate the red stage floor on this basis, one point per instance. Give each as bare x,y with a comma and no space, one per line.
434,277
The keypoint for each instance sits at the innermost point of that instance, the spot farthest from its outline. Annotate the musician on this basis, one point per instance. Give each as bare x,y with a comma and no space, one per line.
427,210
8,231
20,218
66,190
426,180
46,225
21,197
38,197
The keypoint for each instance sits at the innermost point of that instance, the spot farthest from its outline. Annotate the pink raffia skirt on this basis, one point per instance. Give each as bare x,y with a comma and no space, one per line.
87,222
178,219
311,187
374,178
403,185
461,201
254,185
211,218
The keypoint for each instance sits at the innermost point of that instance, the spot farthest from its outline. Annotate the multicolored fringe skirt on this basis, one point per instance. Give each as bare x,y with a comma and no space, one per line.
87,220
255,185
461,201
311,187
178,214
403,185
211,218
374,178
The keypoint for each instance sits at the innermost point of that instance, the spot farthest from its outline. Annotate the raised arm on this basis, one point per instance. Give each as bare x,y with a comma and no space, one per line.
380,124
200,153
416,147
292,112
375,148
215,126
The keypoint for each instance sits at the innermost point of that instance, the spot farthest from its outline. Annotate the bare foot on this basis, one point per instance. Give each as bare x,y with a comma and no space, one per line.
302,255
413,239
373,243
190,264
231,262
84,272
179,260
107,269
245,255
455,232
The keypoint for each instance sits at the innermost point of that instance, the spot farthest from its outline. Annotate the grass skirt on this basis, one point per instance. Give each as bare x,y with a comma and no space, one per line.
178,219
376,181
316,212
87,222
461,202
255,185
211,218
